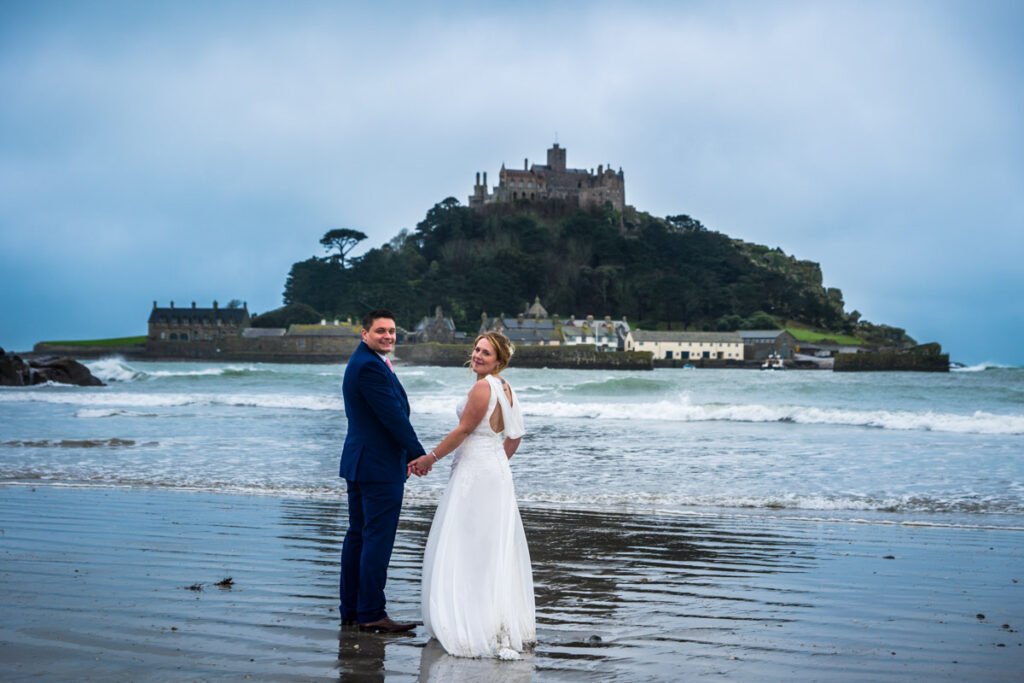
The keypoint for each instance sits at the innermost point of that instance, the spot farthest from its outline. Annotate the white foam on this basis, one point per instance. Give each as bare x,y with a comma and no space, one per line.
803,503
114,369
981,367
681,410
146,400
88,413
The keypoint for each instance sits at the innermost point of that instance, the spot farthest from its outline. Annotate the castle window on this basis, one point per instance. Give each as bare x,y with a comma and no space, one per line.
183,336
174,337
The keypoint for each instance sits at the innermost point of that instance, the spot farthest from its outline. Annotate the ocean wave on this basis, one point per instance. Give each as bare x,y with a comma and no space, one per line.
90,413
618,386
73,443
982,367
913,510
422,383
640,500
115,369
979,422
99,399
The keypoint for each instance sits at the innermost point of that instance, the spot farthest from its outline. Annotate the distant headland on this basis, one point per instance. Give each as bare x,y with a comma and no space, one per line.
617,280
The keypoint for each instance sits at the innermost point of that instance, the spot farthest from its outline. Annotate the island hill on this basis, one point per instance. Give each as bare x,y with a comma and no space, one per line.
624,289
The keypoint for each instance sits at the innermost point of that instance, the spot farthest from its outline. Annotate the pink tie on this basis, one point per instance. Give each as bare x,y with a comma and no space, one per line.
387,362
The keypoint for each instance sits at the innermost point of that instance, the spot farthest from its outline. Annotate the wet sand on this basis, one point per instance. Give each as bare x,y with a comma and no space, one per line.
118,585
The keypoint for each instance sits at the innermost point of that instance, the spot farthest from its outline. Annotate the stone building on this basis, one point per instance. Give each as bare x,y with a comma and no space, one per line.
606,334
759,344
587,188
190,325
225,334
532,327
439,329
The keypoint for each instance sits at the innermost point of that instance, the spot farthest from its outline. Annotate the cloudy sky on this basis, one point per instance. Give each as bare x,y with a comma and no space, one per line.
193,151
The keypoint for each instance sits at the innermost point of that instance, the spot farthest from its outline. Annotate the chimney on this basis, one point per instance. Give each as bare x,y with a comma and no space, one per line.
193,304
485,180
526,164
172,303
478,178
215,304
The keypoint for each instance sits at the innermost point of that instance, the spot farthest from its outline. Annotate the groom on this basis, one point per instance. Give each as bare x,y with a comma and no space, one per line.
378,447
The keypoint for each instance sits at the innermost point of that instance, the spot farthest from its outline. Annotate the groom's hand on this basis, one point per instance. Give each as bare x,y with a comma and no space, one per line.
421,465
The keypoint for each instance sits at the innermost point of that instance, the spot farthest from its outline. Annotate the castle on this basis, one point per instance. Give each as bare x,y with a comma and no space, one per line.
589,190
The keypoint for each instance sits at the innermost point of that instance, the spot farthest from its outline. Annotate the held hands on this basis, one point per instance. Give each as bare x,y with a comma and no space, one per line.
421,466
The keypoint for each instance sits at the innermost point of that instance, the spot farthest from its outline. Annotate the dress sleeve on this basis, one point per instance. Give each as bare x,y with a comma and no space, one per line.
511,414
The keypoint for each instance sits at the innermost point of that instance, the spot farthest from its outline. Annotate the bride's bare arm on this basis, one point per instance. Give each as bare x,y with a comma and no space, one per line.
511,445
472,415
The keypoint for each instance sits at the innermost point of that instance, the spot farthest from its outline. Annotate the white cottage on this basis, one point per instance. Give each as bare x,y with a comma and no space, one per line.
687,345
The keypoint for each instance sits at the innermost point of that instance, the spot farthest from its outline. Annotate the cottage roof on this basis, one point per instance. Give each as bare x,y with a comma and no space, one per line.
176,316
531,334
750,335
596,329
430,323
528,323
537,310
685,337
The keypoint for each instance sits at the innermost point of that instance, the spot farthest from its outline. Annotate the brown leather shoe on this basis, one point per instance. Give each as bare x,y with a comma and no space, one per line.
386,625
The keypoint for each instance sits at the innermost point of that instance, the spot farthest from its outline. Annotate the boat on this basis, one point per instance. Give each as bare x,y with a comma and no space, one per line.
773,362
688,366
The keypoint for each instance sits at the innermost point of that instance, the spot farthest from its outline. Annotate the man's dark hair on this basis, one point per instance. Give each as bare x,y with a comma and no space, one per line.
374,315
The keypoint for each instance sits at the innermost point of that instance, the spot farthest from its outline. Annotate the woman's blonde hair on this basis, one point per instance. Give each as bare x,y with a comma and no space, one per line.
503,348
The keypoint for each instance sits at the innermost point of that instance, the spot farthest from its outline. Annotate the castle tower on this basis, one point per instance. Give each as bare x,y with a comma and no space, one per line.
556,158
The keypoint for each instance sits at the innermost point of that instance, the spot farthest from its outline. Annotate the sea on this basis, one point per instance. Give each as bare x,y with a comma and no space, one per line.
874,448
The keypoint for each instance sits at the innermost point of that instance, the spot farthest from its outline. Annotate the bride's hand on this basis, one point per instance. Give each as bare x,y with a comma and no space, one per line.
421,465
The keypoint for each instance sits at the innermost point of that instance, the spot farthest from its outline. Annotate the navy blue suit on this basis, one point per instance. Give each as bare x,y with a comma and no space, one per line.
379,445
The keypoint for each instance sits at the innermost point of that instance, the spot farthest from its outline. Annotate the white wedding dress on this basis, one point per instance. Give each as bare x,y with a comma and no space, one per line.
477,595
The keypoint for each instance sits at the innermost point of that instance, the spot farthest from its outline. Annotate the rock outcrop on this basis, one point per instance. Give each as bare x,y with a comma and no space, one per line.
15,371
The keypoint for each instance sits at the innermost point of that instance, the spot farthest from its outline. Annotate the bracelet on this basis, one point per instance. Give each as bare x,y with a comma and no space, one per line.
434,456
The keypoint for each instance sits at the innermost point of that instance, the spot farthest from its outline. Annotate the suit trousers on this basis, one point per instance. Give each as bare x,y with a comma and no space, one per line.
373,509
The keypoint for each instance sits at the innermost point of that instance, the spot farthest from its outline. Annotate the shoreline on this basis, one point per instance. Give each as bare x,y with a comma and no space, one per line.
594,361
96,585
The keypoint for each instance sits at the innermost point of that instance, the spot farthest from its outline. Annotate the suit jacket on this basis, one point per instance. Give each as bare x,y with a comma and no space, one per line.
380,441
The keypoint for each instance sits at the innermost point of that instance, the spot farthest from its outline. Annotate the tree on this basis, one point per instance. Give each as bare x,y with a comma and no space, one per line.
287,315
342,239
684,223
760,321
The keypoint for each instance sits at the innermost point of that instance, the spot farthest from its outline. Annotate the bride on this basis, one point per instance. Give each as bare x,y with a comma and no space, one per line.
477,595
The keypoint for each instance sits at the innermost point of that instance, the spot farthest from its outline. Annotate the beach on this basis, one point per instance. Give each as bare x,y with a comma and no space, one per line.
102,583
737,526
